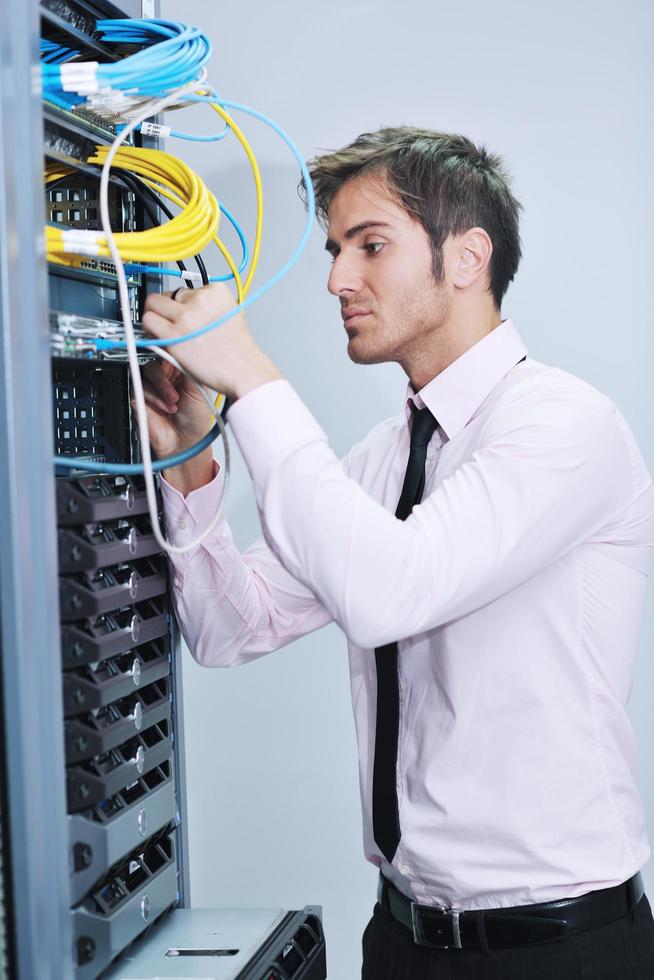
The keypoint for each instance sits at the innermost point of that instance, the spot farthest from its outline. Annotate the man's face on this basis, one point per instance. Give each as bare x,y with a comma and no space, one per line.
382,274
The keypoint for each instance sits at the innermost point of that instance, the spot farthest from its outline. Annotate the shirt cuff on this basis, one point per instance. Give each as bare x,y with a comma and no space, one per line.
186,517
269,424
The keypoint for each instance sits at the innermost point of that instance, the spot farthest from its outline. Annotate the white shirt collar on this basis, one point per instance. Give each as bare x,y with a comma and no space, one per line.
455,394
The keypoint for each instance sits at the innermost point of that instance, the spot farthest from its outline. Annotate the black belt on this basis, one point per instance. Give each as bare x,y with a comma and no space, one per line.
520,925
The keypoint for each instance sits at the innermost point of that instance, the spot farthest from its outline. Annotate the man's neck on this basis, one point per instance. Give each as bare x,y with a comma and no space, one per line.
446,345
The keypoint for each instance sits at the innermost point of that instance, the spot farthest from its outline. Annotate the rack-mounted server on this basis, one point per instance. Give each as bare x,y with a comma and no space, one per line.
93,852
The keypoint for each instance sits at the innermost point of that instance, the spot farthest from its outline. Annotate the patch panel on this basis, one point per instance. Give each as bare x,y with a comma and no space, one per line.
73,202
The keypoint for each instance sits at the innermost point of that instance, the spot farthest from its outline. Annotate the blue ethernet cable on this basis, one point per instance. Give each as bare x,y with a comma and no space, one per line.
169,63
166,131
55,54
175,54
134,469
244,245
212,138
253,297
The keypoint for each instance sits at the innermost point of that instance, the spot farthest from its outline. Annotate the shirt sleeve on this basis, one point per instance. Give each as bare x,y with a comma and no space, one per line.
231,607
551,470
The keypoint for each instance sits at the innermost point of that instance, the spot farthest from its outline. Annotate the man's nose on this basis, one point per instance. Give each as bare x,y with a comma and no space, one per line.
344,277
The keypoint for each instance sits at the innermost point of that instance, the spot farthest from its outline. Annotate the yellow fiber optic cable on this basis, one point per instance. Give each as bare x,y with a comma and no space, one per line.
172,179
240,289
238,133
55,172
182,237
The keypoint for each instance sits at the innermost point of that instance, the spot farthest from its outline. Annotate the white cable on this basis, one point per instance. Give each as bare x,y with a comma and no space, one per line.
151,109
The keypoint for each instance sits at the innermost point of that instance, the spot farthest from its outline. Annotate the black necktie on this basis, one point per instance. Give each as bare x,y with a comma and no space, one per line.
385,815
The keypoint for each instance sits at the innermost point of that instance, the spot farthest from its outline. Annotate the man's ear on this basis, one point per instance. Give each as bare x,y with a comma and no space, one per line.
471,255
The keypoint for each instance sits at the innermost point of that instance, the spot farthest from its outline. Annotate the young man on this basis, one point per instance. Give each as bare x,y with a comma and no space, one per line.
485,553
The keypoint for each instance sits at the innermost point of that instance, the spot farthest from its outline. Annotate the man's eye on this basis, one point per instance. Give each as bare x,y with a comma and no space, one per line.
374,248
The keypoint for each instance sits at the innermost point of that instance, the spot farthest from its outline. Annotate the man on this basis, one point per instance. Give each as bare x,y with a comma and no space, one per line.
492,619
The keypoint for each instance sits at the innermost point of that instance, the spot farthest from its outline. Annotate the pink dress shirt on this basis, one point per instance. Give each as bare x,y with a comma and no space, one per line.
515,590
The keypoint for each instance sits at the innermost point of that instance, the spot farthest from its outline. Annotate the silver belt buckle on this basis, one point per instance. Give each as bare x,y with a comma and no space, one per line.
456,928
449,915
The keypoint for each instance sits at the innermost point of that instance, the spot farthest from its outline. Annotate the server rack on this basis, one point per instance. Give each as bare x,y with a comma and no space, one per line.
94,872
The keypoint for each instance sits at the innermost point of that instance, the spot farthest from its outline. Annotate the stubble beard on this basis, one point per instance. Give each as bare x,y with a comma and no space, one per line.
395,342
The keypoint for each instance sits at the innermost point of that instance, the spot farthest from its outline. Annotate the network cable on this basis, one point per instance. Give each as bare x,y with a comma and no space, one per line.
66,246
54,54
183,94
171,190
137,383
136,469
174,56
65,240
252,297
135,267
161,132
184,235
57,175
149,201
154,129
132,343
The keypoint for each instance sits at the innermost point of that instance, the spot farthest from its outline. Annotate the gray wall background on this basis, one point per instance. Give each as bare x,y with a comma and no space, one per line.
564,93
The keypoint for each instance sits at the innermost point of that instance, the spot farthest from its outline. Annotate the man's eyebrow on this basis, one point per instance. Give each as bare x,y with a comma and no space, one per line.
330,244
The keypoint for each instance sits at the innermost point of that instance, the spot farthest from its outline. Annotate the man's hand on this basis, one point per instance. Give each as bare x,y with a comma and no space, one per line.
226,359
178,417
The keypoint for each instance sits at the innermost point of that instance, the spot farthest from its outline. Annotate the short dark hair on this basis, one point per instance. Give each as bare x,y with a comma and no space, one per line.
443,180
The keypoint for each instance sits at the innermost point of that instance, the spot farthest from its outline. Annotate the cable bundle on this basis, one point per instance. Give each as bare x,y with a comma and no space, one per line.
54,54
165,65
184,235
175,54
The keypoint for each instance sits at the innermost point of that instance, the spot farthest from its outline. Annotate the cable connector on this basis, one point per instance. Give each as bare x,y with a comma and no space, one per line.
112,100
81,241
79,77
139,268
154,129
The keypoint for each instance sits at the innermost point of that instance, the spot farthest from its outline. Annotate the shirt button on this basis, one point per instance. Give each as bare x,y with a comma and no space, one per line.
177,582
181,525
404,869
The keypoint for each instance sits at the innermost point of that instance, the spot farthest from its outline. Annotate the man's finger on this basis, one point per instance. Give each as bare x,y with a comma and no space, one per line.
154,400
154,371
157,325
161,385
164,305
